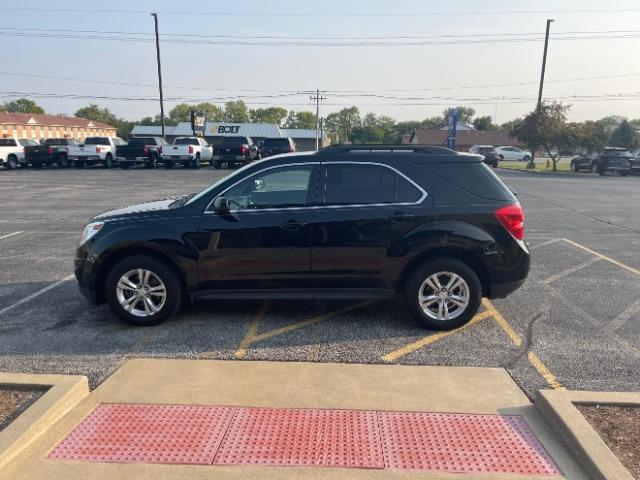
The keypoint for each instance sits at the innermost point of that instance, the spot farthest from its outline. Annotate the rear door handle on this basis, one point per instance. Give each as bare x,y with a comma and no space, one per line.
400,216
293,225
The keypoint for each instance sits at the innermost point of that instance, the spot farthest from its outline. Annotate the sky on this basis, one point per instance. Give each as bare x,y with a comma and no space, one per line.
409,59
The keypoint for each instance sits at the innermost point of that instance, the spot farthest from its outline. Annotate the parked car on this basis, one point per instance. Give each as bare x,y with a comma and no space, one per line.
368,221
12,151
489,153
513,153
96,150
189,151
140,151
276,146
53,151
616,160
235,151
635,161
584,162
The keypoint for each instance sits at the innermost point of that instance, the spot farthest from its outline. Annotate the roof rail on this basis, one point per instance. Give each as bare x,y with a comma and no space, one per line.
368,148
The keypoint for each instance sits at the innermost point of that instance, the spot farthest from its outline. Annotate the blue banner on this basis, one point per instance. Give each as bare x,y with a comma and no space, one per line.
453,125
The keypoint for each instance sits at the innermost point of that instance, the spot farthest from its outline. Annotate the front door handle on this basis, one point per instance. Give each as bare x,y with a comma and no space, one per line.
293,225
400,217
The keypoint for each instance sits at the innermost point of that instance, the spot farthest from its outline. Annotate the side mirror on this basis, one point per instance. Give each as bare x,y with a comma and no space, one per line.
221,205
258,184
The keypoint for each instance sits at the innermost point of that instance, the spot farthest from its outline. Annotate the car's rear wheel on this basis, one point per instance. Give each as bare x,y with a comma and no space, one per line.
143,290
443,294
12,162
152,162
196,162
108,161
526,158
216,164
62,161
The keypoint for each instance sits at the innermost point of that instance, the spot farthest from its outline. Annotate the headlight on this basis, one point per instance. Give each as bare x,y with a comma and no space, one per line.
90,230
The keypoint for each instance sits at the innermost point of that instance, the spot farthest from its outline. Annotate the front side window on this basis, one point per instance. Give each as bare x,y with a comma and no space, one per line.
285,187
353,184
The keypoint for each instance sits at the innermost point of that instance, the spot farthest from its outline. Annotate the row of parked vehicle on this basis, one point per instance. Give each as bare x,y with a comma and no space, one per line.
149,152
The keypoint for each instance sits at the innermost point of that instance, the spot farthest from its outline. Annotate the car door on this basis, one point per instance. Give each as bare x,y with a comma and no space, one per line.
365,211
262,244
205,150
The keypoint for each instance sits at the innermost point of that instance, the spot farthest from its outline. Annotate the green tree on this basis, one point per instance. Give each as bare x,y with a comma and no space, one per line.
94,112
151,120
465,114
484,123
546,128
23,105
2,107
342,124
212,113
306,120
236,111
590,137
182,112
511,125
275,115
625,135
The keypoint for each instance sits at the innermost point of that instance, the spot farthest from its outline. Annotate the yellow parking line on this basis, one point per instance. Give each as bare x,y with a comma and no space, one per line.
604,257
252,330
535,361
311,321
428,340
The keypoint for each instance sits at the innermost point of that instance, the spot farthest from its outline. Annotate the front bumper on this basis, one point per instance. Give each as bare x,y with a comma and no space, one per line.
84,273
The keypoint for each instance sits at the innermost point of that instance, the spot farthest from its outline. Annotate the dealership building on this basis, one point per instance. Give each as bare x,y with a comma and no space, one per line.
214,132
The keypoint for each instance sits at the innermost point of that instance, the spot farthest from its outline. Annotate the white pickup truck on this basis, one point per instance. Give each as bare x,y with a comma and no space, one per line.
12,151
96,150
189,151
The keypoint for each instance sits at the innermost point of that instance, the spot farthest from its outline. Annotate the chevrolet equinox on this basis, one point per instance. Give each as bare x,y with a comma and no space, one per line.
436,227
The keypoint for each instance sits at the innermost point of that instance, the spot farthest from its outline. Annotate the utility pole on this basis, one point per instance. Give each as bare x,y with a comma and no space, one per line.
155,20
544,62
317,98
532,163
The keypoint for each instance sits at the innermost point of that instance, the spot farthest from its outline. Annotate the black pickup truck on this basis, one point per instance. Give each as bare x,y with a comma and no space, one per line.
140,150
235,151
52,151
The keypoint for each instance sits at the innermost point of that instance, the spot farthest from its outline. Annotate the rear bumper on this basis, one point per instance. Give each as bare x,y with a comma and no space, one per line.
502,290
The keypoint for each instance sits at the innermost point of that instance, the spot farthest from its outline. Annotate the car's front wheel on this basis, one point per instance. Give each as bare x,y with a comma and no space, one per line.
143,290
443,294
526,158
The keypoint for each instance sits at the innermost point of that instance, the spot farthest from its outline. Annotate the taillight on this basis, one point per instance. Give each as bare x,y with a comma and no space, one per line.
98,149
190,148
243,150
160,150
145,151
290,149
512,218
50,151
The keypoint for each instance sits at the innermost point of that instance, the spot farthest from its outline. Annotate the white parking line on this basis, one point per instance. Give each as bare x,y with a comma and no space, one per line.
621,319
36,294
10,235
544,244
571,270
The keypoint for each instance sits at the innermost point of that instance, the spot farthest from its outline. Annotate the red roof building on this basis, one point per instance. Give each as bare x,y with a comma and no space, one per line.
37,126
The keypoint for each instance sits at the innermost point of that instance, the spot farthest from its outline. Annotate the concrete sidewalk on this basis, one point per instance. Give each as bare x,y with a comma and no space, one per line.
290,385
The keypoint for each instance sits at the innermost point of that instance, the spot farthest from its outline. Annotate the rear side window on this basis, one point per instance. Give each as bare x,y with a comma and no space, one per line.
354,184
475,178
7,142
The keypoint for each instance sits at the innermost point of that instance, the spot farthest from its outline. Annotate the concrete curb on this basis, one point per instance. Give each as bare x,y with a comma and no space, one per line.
537,172
63,392
557,407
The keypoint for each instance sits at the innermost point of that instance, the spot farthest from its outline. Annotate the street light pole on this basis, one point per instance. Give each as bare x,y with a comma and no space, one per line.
532,163
155,20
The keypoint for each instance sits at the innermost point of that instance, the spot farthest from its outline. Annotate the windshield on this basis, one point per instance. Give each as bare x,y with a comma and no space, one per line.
234,141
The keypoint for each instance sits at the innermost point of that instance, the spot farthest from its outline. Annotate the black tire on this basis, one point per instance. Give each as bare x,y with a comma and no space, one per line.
62,161
12,162
624,174
443,264
80,164
217,164
196,162
37,165
595,168
573,167
159,268
152,162
526,158
108,161
124,165
168,164
501,157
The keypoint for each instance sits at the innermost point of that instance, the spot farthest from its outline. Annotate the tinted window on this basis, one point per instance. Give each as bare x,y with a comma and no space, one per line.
234,141
55,141
7,142
96,141
276,188
475,178
277,142
142,141
186,141
353,184
25,142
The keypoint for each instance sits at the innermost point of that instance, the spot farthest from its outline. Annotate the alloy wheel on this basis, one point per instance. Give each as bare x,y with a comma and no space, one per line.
444,296
141,292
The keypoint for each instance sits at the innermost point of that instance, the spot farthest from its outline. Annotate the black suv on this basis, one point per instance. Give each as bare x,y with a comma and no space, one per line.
613,159
433,225
276,146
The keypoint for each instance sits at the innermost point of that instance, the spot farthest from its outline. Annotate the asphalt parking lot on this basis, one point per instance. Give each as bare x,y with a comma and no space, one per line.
584,232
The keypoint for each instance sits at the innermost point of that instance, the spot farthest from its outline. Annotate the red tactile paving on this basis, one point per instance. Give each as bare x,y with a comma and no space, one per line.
175,434
462,443
292,437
